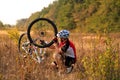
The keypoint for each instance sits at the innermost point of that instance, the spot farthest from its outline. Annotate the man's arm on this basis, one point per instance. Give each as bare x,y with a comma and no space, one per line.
56,44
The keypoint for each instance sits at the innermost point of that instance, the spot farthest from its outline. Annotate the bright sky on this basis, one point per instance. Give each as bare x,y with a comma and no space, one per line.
12,10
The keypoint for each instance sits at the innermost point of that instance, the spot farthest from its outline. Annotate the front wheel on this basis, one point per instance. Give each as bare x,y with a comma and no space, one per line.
42,29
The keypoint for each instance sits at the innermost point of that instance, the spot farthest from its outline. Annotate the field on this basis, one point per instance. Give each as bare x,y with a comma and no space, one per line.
98,58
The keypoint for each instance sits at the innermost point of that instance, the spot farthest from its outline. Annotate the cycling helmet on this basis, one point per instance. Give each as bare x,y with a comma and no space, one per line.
63,34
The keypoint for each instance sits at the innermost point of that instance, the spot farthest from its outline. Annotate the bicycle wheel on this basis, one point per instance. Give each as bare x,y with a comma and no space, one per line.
23,44
42,29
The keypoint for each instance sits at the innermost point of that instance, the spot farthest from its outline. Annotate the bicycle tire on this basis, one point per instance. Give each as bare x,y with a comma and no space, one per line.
29,30
19,41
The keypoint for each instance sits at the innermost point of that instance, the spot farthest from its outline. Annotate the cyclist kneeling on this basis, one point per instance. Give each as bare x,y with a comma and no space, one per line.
65,54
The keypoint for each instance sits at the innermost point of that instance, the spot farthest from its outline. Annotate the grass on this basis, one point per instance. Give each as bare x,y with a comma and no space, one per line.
97,59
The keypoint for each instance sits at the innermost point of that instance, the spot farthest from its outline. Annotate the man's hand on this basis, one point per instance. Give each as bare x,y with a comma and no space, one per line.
55,40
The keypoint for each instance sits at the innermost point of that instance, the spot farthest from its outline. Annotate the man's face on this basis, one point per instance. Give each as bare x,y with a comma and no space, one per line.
63,39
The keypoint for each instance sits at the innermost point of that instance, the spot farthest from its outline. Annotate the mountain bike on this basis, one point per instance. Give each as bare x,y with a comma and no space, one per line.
40,34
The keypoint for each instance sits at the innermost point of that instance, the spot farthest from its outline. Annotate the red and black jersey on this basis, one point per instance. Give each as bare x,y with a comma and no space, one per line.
68,48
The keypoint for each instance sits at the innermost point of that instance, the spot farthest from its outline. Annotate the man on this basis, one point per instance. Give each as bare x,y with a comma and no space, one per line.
65,54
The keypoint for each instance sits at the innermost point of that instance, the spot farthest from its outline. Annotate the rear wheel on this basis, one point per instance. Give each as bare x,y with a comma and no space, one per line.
23,44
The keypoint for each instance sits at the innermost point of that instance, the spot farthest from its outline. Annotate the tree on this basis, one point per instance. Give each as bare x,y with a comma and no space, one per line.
21,22
1,24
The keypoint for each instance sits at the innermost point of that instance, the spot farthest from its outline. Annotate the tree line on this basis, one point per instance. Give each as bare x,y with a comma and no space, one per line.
81,15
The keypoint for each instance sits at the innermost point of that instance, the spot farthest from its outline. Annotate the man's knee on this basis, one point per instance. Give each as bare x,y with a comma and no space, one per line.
57,56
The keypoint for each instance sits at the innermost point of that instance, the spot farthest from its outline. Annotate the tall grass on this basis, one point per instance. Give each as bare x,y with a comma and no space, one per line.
103,65
97,59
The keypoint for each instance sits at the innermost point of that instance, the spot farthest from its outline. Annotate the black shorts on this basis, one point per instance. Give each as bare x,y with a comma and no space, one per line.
69,61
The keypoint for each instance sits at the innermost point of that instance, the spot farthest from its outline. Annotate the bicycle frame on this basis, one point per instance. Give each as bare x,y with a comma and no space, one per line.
31,50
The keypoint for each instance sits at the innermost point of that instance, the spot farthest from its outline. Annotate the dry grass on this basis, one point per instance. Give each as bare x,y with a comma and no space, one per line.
14,67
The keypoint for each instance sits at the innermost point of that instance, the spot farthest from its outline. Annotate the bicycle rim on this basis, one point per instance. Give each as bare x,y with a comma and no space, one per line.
39,26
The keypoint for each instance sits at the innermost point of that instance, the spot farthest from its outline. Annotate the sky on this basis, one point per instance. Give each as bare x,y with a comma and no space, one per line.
13,10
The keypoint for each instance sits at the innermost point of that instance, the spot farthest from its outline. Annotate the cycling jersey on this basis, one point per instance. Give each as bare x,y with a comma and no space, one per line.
68,48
